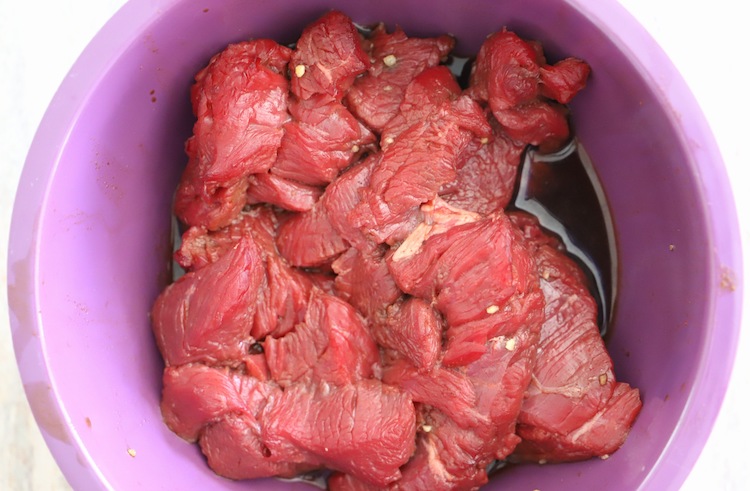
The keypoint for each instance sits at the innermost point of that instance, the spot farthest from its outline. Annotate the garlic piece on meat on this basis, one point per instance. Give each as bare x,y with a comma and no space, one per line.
299,70
492,309
389,60
510,344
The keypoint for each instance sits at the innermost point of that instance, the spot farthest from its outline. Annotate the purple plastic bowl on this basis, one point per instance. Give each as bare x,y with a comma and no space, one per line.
89,247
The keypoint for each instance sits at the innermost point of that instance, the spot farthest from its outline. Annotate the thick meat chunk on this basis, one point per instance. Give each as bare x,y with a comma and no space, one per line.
240,102
322,139
289,195
331,345
234,450
574,408
375,97
280,300
366,429
481,278
524,93
328,56
195,396
414,330
316,237
486,174
363,279
309,240
207,315
420,157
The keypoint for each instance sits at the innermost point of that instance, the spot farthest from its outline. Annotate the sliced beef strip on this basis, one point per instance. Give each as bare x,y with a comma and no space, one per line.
574,408
280,299
322,139
419,159
192,321
331,345
480,277
376,96
327,58
365,429
195,396
290,195
240,104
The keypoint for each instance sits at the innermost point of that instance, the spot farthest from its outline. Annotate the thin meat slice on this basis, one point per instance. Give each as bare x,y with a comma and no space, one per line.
192,323
327,58
332,345
322,139
240,104
366,429
574,408
289,195
375,97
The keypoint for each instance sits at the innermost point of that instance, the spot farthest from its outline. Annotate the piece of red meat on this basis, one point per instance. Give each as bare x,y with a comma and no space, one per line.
523,91
283,292
486,174
571,411
234,450
289,195
563,80
315,237
195,396
192,323
332,345
343,195
413,328
240,104
327,58
479,276
309,240
322,139
375,97
363,280
409,173
445,389
366,429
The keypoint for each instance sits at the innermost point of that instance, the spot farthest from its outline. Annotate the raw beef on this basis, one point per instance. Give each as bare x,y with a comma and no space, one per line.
365,429
322,139
375,97
574,408
356,301
240,104
331,345
327,58
191,324
419,157
524,93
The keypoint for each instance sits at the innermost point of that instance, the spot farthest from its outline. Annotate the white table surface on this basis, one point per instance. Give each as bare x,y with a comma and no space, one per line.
39,41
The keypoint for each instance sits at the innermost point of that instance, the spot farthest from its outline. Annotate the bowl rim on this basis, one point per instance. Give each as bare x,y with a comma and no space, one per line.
719,350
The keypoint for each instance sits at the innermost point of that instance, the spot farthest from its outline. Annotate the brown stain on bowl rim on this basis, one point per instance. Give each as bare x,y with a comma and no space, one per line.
42,401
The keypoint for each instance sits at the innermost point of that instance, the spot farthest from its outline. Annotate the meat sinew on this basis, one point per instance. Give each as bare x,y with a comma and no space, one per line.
358,300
